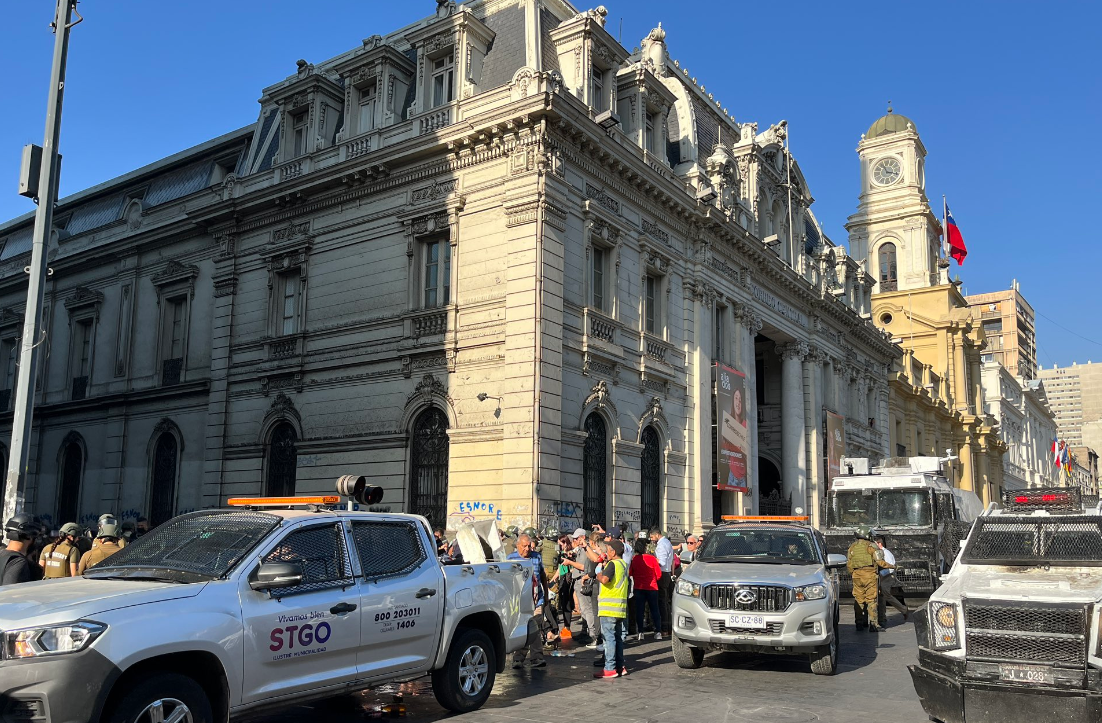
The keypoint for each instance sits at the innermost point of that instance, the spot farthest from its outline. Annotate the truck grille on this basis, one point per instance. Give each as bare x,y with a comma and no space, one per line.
767,598
1034,633
720,628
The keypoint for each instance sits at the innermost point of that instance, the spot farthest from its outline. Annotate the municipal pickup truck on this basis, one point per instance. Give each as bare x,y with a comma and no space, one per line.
222,612
1012,635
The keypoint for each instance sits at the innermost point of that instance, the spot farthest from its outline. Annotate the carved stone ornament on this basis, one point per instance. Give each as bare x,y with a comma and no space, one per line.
793,350
175,271
436,191
165,425
432,223
428,388
603,231
282,407
83,296
290,231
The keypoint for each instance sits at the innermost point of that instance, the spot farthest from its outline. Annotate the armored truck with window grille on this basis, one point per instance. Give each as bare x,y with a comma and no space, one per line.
912,504
1012,635
222,613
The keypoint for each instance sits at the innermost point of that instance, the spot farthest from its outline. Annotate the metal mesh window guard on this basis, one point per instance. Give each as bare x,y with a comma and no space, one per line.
594,471
320,551
1035,541
387,549
204,543
1032,632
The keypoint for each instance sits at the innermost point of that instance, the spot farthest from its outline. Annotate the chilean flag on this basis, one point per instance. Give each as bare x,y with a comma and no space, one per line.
957,249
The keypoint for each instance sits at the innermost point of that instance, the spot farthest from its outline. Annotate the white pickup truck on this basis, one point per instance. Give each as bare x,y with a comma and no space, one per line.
221,612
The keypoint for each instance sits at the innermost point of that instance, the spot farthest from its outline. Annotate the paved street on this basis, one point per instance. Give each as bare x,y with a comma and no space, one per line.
761,689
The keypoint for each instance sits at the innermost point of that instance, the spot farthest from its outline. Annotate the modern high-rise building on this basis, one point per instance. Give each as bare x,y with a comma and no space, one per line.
1008,323
1075,393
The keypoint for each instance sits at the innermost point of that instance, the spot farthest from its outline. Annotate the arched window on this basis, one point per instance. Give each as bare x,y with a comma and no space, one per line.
72,472
162,499
594,471
650,477
282,461
429,449
888,276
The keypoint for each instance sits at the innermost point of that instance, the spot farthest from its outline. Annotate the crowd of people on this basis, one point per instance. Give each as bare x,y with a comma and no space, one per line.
33,552
599,587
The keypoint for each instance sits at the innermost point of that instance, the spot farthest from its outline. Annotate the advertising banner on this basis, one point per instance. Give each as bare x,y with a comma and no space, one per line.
836,444
734,434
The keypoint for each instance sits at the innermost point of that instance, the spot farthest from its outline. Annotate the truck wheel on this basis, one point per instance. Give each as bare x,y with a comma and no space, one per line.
685,655
824,661
465,681
163,697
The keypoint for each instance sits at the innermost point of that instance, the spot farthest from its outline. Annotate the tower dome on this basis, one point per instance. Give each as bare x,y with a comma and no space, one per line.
890,123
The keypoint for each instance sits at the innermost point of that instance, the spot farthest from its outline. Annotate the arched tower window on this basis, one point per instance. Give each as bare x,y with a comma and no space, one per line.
282,461
650,477
594,471
889,278
72,474
162,499
429,451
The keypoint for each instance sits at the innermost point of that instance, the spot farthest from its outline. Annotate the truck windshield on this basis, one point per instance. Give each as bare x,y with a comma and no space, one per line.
190,548
897,508
767,546
1072,540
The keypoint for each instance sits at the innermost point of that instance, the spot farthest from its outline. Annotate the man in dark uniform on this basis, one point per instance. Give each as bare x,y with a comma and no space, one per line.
15,567
865,560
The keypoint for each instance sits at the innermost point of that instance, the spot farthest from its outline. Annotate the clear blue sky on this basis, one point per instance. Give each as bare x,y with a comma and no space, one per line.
1006,97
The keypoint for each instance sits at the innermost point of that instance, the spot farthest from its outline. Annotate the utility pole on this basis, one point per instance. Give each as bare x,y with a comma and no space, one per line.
43,224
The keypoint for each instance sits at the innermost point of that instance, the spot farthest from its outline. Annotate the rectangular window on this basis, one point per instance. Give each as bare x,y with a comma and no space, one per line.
367,109
288,308
648,139
650,305
438,272
443,81
720,337
298,133
597,279
83,347
598,90
173,339
176,311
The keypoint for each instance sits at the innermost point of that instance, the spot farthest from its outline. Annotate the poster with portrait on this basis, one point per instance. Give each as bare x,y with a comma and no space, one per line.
734,433
836,444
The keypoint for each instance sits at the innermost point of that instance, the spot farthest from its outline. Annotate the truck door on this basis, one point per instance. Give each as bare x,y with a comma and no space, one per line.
402,597
305,637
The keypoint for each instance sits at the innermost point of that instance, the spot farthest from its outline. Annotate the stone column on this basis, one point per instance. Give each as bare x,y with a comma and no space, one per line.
813,420
829,383
793,441
698,303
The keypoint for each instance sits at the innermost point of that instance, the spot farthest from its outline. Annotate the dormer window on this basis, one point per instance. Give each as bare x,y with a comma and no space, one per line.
599,98
443,80
648,137
366,117
299,125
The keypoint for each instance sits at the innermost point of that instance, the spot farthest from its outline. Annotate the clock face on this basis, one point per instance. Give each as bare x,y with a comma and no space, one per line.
887,171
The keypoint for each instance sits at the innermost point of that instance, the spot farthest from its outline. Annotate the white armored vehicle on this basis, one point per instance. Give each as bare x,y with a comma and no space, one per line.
1012,635
220,613
912,504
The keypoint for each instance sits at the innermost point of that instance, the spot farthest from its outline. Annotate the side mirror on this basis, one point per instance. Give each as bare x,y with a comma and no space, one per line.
276,576
834,560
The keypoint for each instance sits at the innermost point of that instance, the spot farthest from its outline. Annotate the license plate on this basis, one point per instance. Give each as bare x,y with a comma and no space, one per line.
755,622
1026,673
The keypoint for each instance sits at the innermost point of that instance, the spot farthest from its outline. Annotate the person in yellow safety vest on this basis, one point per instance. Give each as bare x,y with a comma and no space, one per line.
62,557
612,608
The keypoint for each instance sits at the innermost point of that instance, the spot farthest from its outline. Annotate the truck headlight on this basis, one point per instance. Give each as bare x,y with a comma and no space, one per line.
811,592
50,640
943,626
690,589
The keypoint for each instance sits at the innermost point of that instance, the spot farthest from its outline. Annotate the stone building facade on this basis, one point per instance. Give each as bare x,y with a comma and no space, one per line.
1026,425
937,399
488,260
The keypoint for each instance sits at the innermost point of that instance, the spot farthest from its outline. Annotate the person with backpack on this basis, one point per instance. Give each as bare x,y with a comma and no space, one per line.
61,557
15,567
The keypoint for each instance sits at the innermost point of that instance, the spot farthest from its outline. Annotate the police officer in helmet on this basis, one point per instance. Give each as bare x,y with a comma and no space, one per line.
865,560
61,557
15,567
108,539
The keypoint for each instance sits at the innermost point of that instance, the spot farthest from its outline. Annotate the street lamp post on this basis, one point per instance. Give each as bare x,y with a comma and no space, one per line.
43,223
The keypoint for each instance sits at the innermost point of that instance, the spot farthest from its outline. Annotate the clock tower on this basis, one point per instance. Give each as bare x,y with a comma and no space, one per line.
894,233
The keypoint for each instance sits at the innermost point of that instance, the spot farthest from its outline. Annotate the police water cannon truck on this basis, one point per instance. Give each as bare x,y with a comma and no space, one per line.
912,503
223,613
1014,633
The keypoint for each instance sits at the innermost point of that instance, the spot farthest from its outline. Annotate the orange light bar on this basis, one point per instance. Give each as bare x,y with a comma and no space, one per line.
767,518
282,501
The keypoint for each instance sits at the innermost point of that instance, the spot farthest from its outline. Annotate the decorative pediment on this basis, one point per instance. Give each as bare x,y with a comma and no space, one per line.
176,272
83,297
427,389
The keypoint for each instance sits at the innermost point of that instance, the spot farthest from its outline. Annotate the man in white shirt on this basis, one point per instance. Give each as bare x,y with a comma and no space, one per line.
663,550
888,581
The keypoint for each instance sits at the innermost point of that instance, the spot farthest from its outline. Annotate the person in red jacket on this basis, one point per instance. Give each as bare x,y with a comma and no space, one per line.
645,572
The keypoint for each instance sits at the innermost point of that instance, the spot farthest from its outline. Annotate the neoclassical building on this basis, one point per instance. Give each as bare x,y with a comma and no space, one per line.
937,398
488,260
1026,424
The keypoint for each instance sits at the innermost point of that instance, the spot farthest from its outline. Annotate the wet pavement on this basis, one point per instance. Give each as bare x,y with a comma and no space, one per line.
871,684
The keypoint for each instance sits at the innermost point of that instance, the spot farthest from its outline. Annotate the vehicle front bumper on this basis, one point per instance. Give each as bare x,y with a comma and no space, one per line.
69,688
953,691
791,632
